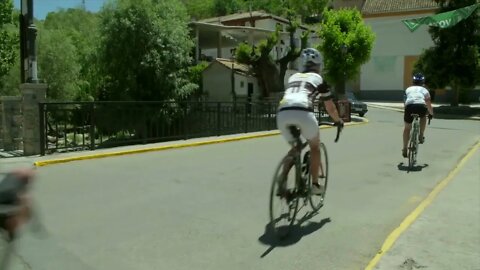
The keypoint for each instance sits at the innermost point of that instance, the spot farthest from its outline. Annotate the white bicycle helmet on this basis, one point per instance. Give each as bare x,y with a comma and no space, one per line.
310,57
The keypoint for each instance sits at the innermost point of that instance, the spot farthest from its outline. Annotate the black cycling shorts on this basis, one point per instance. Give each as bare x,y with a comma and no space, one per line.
410,109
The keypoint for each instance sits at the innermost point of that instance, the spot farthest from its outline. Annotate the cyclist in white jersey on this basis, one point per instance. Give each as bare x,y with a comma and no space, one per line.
417,101
296,108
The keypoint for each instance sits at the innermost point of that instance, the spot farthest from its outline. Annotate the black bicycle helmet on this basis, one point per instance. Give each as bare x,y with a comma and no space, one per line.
418,79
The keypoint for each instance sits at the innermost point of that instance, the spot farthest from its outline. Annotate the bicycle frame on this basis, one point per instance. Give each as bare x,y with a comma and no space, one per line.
301,182
301,187
413,144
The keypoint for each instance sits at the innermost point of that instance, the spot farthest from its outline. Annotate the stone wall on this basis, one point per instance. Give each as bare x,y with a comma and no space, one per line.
11,123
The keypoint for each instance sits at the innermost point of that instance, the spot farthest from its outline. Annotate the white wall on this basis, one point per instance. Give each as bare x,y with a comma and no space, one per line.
393,41
269,24
217,82
243,90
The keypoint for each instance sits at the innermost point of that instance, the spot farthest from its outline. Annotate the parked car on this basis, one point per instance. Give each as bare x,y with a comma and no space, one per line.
356,105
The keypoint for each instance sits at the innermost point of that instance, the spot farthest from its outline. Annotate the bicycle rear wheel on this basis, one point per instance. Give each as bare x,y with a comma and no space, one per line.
283,200
316,201
412,150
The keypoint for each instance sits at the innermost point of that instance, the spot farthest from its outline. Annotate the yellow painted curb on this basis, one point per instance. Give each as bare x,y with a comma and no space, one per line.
165,147
385,107
393,236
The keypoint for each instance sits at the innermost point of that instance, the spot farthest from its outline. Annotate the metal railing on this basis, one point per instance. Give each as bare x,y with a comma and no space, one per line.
74,126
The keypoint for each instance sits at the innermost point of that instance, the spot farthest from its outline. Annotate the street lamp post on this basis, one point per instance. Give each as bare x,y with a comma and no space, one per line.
28,44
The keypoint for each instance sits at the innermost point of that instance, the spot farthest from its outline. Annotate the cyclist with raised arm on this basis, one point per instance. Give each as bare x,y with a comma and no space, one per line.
417,101
296,108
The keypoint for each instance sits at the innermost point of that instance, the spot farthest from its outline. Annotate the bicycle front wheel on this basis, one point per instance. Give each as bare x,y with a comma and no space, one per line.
316,201
412,153
283,199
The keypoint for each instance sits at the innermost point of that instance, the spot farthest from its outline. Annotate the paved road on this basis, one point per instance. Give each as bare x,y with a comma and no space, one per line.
206,207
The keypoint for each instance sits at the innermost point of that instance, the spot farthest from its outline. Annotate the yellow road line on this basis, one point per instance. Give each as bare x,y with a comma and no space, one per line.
165,147
392,238
385,107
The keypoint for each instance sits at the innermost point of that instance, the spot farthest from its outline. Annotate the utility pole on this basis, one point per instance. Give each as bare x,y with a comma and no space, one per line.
33,92
28,45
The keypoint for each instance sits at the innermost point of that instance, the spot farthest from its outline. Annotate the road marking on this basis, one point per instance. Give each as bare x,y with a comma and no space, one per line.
393,236
167,147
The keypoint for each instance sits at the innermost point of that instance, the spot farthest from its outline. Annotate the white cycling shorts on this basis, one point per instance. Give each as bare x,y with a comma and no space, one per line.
306,121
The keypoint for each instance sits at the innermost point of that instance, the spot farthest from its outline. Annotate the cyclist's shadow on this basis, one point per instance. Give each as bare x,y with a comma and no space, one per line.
296,233
416,168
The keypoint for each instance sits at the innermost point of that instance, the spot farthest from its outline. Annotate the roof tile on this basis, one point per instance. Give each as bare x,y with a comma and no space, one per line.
389,6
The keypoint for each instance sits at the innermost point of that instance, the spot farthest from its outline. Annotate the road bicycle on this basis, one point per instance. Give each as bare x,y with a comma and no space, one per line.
290,186
413,144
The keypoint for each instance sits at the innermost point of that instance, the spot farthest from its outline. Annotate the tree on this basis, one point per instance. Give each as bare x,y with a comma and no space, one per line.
58,64
454,60
199,9
66,53
258,57
225,7
9,39
270,73
346,44
308,9
145,49
301,9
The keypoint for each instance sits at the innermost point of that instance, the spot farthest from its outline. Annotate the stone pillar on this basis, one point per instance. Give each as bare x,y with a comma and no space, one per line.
32,95
11,123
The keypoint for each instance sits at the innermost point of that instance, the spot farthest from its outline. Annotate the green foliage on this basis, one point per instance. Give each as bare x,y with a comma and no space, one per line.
8,39
270,73
199,9
308,8
10,83
58,65
145,50
225,7
340,28
66,52
262,63
195,74
81,27
293,51
454,60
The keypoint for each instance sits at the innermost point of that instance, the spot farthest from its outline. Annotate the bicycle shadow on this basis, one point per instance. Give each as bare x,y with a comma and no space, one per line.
416,168
297,232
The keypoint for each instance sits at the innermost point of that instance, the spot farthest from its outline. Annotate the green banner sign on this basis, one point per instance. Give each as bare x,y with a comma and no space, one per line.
442,20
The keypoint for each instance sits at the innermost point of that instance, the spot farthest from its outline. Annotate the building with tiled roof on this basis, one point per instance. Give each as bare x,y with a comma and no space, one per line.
395,49
225,79
392,7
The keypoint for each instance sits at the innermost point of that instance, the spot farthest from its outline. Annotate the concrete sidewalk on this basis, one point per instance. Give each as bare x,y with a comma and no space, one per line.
446,235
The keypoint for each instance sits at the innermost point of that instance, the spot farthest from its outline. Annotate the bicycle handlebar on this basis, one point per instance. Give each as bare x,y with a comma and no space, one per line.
339,128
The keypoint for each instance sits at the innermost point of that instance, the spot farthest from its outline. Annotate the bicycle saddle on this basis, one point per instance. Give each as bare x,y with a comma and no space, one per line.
295,131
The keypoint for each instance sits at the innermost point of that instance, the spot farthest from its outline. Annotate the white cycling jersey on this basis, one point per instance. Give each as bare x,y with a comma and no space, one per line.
303,89
416,95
